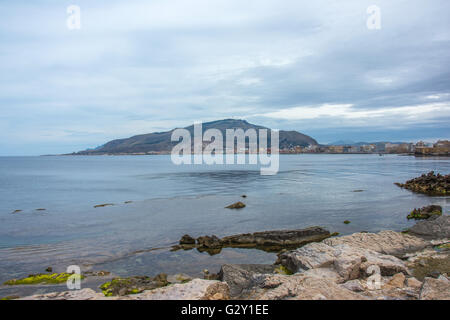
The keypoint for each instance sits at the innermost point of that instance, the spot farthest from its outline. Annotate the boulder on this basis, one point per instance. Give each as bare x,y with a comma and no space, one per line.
435,289
209,242
438,228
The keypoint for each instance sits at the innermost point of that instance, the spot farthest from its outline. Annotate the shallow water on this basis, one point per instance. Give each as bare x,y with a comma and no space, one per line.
169,201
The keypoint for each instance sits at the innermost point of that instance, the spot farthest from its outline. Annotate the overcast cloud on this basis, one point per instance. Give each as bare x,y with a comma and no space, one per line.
142,66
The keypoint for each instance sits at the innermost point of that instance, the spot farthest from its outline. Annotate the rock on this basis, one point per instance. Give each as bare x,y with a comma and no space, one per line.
179,278
353,285
413,283
425,212
397,281
49,269
40,209
103,205
244,196
240,276
350,262
386,242
209,242
187,239
237,205
347,222
196,289
17,211
435,289
430,184
271,241
97,273
127,202
133,285
438,228
302,286
83,294
276,240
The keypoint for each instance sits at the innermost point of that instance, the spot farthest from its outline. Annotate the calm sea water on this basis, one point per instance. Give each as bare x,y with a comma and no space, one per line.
169,201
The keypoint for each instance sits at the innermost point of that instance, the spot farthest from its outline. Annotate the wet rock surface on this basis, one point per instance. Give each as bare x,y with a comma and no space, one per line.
425,212
271,241
237,205
431,184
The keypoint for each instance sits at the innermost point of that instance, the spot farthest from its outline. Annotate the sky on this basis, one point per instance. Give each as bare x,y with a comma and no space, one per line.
137,66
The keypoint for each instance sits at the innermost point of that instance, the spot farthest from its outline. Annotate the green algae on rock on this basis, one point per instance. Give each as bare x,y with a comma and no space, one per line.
41,278
425,212
347,222
237,205
133,285
9,298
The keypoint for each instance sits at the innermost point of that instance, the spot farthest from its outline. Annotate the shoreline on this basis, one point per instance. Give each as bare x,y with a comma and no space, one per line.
334,268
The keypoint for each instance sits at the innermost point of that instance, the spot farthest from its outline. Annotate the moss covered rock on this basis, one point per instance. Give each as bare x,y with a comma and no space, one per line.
425,212
133,285
237,205
41,278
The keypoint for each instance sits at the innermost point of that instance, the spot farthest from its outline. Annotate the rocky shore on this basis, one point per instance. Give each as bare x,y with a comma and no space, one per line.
409,265
431,184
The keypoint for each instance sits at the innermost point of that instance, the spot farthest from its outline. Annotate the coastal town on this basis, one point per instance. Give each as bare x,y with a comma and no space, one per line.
439,148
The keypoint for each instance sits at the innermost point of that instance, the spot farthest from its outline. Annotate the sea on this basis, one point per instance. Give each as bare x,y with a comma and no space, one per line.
154,202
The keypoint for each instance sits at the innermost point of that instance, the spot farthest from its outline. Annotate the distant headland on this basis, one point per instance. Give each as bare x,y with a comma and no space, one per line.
291,142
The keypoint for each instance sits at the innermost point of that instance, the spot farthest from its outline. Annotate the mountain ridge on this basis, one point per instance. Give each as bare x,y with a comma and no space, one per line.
160,142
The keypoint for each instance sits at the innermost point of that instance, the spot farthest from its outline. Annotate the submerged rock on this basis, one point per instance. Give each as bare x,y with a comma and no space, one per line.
103,205
430,184
347,222
17,211
237,205
425,212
